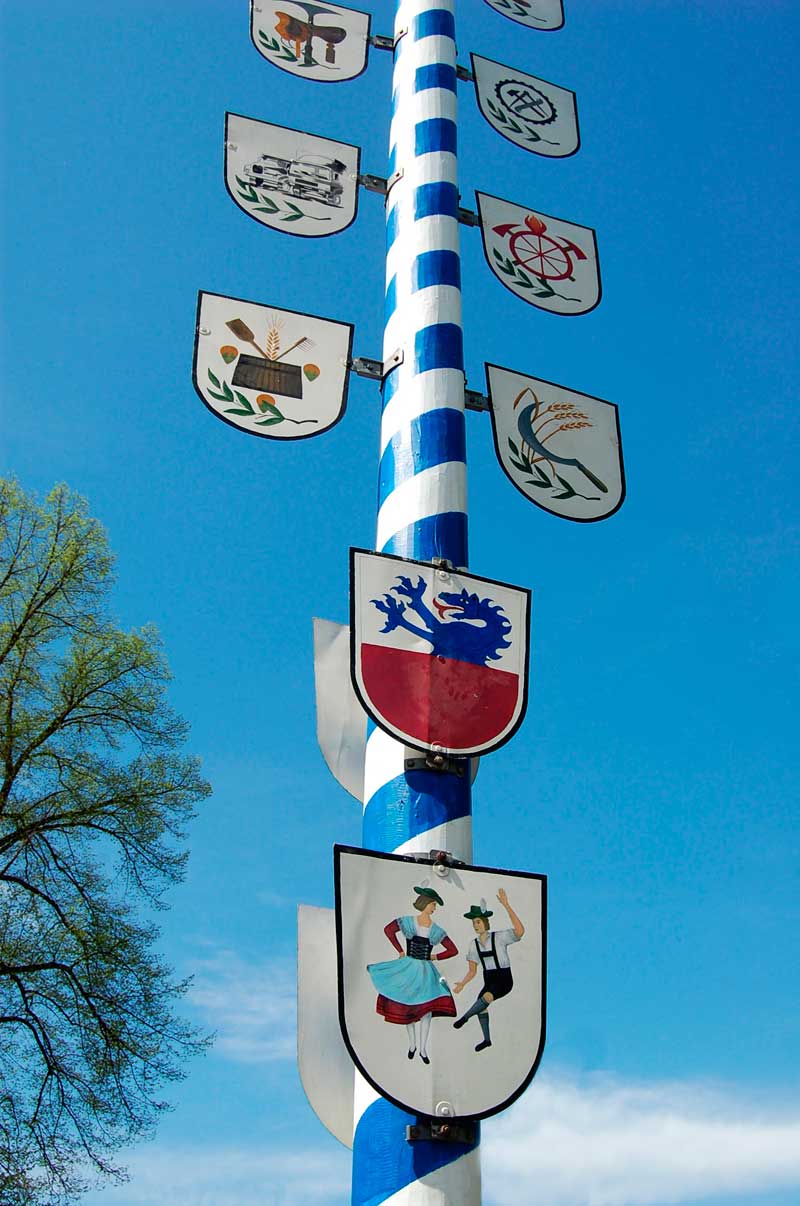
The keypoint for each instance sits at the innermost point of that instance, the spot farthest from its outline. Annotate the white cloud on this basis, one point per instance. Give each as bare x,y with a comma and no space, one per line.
601,1142
251,1006
232,1176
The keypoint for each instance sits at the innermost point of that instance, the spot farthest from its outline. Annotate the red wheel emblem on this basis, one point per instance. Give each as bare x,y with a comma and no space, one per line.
548,259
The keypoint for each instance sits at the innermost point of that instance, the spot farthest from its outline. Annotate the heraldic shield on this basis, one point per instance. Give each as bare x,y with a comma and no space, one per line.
548,262
439,658
296,182
561,449
270,372
536,115
441,974
324,42
536,14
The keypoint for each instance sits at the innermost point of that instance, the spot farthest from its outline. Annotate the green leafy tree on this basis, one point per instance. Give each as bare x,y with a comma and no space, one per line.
94,801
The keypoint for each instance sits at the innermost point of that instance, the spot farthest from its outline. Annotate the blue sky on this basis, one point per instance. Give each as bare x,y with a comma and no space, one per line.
654,779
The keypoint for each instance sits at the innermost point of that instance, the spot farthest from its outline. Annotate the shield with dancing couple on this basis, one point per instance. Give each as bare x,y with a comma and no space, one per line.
441,973
439,657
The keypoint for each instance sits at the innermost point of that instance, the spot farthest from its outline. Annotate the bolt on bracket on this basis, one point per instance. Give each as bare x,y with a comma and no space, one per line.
446,1130
475,400
376,370
437,762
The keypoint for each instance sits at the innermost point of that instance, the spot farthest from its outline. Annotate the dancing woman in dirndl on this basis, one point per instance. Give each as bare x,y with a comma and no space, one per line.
410,989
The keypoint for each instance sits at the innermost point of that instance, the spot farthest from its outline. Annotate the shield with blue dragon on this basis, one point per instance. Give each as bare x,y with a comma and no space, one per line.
439,657
536,14
560,448
323,42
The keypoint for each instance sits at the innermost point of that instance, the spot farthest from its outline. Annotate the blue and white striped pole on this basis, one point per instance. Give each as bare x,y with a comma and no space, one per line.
422,514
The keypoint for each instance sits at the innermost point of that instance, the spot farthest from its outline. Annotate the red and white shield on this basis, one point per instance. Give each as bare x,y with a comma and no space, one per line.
439,658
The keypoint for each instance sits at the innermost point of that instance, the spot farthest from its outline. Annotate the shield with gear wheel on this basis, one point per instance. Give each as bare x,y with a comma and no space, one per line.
530,112
439,657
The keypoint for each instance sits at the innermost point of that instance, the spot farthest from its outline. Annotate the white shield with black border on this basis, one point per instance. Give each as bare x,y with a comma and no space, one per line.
530,112
270,372
559,447
536,14
295,182
323,42
548,262
439,657
441,980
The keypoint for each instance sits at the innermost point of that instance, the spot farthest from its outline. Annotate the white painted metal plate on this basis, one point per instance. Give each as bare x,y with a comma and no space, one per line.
270,372
537,14
533,113
292,181
547,261
439,657
326,1070
320,42
560,448
441,980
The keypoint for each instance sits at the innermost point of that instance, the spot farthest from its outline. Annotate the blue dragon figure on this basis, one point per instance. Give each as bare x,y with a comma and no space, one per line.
453,637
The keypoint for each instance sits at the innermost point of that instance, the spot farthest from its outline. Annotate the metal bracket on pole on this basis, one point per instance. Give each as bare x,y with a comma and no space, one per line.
464,73
379,184
448,1130
468,217
437,762
475,400
376,370
381,42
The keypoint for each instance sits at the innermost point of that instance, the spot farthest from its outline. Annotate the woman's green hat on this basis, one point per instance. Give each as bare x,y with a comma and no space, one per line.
478,911
430,893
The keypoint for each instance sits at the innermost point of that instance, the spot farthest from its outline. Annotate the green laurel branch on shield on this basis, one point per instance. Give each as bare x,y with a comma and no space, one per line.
245,409
276,47
523,463
514,6
521,277
510,123
287,210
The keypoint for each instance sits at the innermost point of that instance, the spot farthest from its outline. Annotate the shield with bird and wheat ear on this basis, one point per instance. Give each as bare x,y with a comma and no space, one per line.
439,657
560,448
270,372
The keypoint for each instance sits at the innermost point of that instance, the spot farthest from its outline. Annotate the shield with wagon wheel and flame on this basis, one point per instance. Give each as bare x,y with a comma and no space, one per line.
548,262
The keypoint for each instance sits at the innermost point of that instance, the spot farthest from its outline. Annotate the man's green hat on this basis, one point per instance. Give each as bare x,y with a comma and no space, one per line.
430,893
478,911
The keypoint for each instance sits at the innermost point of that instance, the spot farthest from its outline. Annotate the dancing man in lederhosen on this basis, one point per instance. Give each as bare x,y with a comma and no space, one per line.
490,949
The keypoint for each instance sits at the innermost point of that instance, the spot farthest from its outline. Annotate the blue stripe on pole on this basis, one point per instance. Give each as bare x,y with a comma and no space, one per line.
389,386
435,134
406,806
438,346
435,22
430,439
390,301
440,535
392,160
434,75
430,199
436,268
386,1161
392,222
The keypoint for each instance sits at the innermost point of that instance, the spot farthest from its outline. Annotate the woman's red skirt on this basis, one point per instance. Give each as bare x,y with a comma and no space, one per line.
393,1011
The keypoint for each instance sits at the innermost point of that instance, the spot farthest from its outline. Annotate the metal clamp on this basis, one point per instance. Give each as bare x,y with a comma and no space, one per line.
381,42
468,217
373,184
449,1130
437,761
463,73
376,370
475,400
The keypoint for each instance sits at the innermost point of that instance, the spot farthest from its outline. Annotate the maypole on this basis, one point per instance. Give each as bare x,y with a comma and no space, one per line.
432,672
422,514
